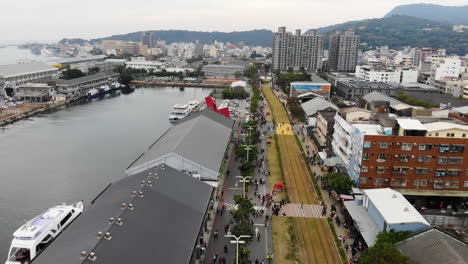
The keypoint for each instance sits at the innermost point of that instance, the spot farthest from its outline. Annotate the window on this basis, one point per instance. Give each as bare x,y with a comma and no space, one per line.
463,135
422,146
465,184
442,160
422,170
365,156
453,172
438,184
364,169
425,159
440,173
378,181
454,160
380,169
416,182
444,148
363,180
381,158
404,158
437,134
367,144
64,220
383,145
457,148
428,146
423,182
400,170
451,184
398,182
406,146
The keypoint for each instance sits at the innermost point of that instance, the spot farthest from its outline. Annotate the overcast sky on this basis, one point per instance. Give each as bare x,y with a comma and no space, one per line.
25,20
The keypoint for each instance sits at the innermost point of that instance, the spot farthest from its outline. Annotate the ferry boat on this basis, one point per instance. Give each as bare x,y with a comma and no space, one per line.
36,234
193,104
179,111
105,89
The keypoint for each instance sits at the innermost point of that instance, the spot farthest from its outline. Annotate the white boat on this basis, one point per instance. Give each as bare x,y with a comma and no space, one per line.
193,104
36,234
179,111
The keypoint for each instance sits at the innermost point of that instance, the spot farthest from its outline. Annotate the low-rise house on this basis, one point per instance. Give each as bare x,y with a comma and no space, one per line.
384,210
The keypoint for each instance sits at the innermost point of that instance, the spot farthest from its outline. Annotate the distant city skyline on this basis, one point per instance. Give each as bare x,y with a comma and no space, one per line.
52,20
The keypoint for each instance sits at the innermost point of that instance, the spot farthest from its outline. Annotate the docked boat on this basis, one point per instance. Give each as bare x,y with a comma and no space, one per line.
105,89
193,104
36,234
179,111
92,94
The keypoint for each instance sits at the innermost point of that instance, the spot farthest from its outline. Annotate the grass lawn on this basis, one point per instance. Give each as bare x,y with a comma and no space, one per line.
285,247
275,169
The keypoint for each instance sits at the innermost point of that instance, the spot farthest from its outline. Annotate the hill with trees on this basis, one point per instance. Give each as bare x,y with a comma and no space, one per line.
455,15
399,31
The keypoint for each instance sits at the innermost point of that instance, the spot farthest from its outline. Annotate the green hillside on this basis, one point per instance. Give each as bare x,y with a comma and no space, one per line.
399,31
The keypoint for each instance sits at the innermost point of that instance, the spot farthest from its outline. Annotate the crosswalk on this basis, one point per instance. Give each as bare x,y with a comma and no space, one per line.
298,210
233,207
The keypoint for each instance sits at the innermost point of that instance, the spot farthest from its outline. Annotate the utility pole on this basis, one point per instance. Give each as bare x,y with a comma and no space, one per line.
237,241
244,180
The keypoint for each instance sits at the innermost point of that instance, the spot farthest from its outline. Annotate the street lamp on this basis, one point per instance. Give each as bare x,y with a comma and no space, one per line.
248,148
244,180
237,241
250,128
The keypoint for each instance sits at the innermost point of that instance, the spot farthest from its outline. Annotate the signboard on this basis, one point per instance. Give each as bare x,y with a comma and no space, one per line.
298,88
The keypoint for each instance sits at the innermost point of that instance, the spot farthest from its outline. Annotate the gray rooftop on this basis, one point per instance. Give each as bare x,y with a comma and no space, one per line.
11,70
377,96
316,78
312,106
202,137
80,80
434,246
437,98
163,226
355,83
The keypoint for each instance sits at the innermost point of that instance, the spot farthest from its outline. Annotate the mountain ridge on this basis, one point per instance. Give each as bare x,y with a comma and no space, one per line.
454,15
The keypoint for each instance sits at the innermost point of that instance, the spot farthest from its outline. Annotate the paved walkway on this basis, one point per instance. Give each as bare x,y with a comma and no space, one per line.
231,187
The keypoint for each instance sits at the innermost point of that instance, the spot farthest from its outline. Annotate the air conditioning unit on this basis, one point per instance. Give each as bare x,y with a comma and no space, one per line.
386,180
412,156
398,144
396,156
405,160
380,160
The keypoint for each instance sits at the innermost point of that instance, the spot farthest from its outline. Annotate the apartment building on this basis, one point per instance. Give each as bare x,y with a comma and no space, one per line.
343,51
453,86
386,74
297,50
414,163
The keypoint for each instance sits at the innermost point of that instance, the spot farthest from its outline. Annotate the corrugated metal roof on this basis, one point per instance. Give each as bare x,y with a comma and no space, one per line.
11,70
438,126
201,137
312,106
148,232
433,246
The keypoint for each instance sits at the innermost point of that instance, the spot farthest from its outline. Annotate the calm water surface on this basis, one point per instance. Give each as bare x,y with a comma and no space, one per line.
71,155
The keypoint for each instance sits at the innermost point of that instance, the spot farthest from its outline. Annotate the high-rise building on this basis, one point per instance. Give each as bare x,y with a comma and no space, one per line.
147,38
343,51
297,50
198,48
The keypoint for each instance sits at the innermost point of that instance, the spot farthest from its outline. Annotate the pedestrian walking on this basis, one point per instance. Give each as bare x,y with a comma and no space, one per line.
258,236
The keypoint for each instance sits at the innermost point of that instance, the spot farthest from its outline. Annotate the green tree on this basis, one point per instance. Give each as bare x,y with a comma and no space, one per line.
93,70
72,74
392,237
383,253
339,182
242,215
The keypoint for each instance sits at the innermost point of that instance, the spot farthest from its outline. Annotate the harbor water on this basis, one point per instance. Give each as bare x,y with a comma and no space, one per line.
72,154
